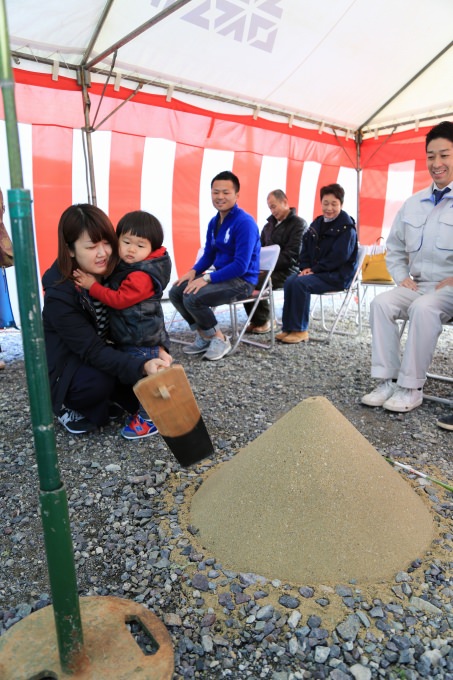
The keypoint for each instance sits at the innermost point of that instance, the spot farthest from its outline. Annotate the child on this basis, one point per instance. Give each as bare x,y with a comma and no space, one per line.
133,293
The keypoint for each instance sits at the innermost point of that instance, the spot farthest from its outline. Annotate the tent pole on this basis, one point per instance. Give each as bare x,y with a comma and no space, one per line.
87,131
53,499
97,30
358,146
125,101
109,649
130,36
406,85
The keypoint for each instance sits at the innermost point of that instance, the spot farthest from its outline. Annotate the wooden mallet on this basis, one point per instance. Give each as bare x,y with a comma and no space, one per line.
169,401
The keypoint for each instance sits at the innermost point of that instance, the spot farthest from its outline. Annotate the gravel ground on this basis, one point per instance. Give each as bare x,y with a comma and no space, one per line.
129,505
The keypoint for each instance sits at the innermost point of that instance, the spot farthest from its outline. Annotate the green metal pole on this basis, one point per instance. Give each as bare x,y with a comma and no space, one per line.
53,499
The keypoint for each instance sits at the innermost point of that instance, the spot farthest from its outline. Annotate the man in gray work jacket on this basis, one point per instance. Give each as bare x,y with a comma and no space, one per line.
420,259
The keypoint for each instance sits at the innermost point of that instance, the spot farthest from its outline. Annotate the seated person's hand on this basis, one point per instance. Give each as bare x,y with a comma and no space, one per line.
195,285
188,276
446,282
408,282
304,272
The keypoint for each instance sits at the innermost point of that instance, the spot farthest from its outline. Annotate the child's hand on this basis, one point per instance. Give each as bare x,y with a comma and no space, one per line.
83,279
167,358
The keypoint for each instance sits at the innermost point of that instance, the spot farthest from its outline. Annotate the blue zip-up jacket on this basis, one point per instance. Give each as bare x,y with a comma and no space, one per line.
235,251
329,249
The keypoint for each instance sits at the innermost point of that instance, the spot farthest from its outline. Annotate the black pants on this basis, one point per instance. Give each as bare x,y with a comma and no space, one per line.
92,391
262,311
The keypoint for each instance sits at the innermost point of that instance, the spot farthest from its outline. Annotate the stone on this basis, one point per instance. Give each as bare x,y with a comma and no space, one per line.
424,606
349,628
360,672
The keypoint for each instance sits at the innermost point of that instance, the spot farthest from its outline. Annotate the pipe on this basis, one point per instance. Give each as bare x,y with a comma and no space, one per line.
53,501
358,144
87,130
136,32
410,469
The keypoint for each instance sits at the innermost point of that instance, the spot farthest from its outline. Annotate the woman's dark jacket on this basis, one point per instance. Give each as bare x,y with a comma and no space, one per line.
329,249
71,339
288,235
142,324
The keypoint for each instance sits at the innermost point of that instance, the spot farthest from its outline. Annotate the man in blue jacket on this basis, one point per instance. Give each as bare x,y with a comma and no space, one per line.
232,250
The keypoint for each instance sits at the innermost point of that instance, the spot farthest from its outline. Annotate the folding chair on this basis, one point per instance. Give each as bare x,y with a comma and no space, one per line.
268,260
347,295
174,313
377,286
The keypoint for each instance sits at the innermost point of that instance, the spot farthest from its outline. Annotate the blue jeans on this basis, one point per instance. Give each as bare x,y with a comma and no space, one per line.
296,305
195,308
141,352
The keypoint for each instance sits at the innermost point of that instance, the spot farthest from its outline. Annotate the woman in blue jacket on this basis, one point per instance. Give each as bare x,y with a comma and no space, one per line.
328,262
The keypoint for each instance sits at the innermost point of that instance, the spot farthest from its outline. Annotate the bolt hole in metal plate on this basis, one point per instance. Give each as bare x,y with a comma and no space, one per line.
141,635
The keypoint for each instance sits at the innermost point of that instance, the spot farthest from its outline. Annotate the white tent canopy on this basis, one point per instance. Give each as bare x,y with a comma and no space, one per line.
345,64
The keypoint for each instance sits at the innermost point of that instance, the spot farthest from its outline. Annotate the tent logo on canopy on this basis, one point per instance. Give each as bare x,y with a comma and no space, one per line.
242,20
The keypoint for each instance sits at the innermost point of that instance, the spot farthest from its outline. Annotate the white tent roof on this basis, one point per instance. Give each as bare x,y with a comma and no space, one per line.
347,64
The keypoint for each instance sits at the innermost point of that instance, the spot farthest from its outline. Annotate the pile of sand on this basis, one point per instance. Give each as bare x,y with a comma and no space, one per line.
311,501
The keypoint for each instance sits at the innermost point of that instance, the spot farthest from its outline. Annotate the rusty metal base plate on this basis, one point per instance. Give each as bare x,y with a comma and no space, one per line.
111,627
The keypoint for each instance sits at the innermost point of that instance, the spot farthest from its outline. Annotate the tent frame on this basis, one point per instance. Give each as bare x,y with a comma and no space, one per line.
89,66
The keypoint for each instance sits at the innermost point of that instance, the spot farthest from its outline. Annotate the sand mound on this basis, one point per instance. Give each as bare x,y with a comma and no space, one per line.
311,501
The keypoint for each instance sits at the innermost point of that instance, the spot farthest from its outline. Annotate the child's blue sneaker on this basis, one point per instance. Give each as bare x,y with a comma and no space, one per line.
138,428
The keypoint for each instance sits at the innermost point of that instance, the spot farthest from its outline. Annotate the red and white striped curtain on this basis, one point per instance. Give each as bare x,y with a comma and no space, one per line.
161,156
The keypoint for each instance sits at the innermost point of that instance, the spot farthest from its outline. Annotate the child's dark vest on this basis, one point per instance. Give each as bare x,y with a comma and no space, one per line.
141,324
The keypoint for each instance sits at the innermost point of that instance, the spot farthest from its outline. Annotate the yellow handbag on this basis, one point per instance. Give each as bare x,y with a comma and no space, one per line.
374,267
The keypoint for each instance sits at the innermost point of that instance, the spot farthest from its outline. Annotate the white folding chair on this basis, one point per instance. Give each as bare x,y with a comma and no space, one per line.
376,287
175,314
347,295
268,260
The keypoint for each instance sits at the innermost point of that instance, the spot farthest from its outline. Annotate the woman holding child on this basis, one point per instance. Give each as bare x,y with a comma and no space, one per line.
89,377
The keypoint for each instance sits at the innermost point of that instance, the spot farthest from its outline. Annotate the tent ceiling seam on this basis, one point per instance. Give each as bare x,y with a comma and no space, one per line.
314,49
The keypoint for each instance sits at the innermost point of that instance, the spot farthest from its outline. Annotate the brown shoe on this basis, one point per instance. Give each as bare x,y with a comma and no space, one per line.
296,336
265,328
281,335
250,328
2,365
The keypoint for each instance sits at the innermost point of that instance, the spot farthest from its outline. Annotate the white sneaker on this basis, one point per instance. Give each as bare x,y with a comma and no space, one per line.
380,394
404,400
